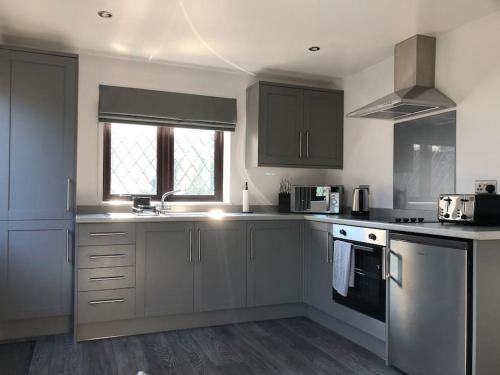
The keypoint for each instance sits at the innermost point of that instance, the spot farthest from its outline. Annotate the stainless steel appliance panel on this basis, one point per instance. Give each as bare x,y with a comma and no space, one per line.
360,234
427,314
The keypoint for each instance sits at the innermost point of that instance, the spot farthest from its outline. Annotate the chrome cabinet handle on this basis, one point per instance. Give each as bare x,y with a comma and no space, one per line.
106,256
328,247
68,194
68,246
384,263
252,251
307,144
107,234
199,245
300,145
102,301
190,246
121,277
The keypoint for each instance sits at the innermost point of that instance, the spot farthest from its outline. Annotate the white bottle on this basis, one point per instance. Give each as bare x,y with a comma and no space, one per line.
246,207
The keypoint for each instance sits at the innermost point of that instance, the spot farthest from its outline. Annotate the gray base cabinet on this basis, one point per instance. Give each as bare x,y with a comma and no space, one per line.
318,266
165,268
35,269
274,263
220,266
191,267
294,126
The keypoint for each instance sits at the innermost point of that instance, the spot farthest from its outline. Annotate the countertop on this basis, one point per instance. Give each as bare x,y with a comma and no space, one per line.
435,229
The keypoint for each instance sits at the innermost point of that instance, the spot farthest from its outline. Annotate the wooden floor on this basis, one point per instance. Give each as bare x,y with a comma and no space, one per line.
286,346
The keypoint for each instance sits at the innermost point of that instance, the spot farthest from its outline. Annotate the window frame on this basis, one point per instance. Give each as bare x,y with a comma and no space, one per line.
165,168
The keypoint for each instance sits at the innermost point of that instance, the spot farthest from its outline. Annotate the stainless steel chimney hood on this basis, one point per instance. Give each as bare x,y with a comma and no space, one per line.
414,91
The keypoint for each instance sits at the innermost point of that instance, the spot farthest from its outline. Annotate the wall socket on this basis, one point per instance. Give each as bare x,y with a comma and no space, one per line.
484,186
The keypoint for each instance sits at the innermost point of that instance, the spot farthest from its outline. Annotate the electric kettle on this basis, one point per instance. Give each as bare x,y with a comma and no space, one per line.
361,201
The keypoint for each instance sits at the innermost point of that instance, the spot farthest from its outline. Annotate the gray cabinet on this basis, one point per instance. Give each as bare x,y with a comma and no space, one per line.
165,268
35,268
274,263
318,266
323,116
183,267
294,126
220,266
4,134
41,97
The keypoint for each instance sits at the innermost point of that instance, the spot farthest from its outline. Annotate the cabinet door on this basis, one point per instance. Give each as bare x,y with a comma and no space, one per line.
318,266
274,263
42,125
220,268
323,128
35,269
280,125
164,262
4,133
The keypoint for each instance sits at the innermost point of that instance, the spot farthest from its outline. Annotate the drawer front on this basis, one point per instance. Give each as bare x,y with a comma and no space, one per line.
106,256
106,234
106,305
106,278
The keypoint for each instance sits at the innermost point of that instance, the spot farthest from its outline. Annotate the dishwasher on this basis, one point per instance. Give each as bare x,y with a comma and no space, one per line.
429,307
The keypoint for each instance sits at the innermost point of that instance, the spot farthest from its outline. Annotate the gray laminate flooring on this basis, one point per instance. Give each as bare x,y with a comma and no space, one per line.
285,346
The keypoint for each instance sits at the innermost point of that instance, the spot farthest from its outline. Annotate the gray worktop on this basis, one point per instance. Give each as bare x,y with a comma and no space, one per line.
435,229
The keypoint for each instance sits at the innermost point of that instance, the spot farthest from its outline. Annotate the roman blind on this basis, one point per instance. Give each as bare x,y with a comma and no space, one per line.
162,108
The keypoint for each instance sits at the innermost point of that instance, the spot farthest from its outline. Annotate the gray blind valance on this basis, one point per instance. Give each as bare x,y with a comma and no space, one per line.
148,107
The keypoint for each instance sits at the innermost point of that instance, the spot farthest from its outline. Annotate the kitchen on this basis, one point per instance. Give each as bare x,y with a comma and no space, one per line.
97,123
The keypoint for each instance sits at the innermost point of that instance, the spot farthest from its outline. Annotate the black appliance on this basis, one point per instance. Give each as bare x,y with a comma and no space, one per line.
369,291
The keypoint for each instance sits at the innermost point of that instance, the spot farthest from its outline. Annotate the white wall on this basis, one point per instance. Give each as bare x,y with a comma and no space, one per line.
95,70
467,70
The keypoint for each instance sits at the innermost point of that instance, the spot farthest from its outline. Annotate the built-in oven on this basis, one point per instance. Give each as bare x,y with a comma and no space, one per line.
369,245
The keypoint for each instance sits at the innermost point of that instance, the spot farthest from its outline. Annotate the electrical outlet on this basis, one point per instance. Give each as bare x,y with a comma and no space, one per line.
486,186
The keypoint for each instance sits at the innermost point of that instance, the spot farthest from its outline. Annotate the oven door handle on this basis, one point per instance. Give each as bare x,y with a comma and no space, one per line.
363,248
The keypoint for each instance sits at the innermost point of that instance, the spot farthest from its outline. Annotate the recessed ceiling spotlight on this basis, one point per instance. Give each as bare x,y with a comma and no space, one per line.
314,49
104,14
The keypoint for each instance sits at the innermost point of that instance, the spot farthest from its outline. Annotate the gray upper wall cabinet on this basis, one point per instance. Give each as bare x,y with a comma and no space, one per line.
294,126
41,128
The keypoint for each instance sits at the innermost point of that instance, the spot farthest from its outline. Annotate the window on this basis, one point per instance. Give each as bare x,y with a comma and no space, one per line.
148,161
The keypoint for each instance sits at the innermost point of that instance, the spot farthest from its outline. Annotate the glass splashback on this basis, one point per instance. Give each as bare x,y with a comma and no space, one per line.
424,160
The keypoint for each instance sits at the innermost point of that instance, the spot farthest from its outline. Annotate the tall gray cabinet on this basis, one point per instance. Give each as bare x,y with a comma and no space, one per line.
294,126
37,182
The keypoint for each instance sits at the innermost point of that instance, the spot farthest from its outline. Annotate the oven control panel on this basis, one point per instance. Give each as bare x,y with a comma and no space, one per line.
360,234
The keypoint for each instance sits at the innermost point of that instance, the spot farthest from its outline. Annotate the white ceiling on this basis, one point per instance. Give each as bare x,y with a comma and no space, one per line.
258,36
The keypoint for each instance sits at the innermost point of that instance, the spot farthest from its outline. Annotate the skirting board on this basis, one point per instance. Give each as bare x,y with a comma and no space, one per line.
16,329
367,341
93,331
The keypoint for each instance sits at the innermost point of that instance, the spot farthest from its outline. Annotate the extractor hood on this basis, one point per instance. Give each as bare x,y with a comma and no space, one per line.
414,91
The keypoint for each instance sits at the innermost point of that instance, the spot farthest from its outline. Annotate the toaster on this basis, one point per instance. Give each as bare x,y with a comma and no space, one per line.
475,209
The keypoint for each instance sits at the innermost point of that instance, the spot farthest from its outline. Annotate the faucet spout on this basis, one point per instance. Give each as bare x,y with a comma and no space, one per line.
163,208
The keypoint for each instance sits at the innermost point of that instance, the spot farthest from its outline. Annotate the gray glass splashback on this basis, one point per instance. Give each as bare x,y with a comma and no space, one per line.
424,160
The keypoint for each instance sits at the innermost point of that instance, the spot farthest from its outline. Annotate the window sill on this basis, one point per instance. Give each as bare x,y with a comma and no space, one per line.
171,204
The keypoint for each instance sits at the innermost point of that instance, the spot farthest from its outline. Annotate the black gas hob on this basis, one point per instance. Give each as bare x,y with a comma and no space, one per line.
391,220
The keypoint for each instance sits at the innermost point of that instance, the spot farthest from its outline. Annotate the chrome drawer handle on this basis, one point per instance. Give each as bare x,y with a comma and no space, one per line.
102,301
106,256
107,278
107,234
